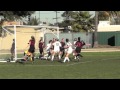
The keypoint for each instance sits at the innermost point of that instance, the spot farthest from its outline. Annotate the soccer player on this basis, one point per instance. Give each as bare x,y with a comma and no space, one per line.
56,49
74,46
26,55
13,50
62,49
68,50
41,46
32,47
79,44
48,48
75,40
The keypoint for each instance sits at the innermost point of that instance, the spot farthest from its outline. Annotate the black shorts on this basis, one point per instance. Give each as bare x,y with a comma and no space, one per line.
78,50
62,49
12,50
41,50
31,49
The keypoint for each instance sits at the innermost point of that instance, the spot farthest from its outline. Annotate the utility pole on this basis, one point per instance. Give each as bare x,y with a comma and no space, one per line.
67,18
96,29
39,16
56,17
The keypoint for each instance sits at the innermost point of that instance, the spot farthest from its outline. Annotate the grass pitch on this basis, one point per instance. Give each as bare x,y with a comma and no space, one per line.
94,65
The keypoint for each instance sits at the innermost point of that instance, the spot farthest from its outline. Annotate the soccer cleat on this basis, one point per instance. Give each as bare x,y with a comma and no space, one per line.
63,62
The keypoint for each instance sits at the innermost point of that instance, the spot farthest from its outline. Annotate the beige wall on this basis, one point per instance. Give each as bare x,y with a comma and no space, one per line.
109,28
23,36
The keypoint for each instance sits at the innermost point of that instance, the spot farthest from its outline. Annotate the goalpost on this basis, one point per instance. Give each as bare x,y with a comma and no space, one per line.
23,36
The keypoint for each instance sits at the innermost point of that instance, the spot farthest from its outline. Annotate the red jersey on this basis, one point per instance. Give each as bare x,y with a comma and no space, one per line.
79,44
32,43
41,44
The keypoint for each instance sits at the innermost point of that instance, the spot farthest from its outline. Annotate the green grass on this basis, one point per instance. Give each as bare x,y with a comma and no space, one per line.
102,65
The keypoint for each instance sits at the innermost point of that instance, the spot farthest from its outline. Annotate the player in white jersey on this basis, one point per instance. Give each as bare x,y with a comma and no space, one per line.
56,49
68,50
74,47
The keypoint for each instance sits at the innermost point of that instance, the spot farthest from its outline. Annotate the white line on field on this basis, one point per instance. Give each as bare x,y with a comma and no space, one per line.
91,61
76,62
72,63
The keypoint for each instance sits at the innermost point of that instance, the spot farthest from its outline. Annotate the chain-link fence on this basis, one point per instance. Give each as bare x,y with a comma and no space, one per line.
86,37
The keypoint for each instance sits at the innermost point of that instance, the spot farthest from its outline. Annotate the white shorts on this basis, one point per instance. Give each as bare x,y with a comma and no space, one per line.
69,51
56,50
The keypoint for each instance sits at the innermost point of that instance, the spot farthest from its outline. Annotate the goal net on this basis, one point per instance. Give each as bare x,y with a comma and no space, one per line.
21,34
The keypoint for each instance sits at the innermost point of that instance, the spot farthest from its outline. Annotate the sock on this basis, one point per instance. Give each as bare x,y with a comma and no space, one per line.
59,57
52,58
68,59
32,58
65,59
75,57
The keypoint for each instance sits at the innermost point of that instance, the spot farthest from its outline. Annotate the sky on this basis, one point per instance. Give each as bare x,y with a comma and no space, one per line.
47,16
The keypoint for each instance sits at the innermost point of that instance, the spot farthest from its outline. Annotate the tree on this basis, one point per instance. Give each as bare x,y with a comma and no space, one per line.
33,21
103,15
110,15
13,15
79,20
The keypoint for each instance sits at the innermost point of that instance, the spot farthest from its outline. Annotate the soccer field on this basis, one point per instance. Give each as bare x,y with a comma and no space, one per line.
94,65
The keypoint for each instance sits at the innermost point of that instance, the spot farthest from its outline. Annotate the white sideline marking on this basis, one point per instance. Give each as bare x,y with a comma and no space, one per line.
74,63
91,61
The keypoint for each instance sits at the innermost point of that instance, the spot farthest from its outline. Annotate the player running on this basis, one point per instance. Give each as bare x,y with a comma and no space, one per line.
56,49
68,50
62,49
79,44
32,47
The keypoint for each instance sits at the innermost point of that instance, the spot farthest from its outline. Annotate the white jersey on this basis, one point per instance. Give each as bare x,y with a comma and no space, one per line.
75,42
48,46
74,45
57,46
69,49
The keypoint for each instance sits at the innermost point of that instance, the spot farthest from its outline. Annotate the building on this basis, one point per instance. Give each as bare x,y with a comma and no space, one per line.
108,34
5,23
